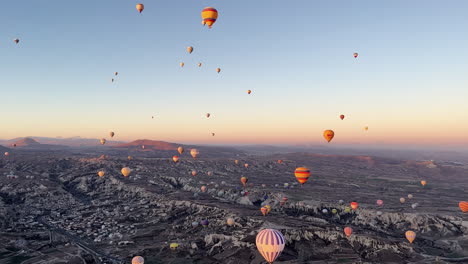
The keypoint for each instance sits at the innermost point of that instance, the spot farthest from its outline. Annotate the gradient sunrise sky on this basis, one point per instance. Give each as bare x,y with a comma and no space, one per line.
409,83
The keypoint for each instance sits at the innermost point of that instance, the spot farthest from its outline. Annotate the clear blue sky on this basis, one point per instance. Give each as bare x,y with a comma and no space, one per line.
296,57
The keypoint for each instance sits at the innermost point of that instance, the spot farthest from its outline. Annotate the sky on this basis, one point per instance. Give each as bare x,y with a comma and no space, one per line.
409,84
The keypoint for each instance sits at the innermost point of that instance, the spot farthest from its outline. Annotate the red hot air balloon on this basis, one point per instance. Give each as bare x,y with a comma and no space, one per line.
355,54
348,231
175,158
354,205
341,117
270,244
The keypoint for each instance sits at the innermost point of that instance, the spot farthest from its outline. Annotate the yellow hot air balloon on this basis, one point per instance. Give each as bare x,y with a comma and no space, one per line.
328,135
268,207
103,141
111,134
101,173
140,7
126,171
190,49
173,246
194,153
138,260
410,235
180,150
182,64
209,16
218,70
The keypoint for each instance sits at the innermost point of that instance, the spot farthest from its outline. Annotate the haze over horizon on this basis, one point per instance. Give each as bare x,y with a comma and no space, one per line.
409,83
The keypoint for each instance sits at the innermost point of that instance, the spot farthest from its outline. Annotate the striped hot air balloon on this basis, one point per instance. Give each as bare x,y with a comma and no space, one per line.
209,16
410,235
463,206
270,244
302,174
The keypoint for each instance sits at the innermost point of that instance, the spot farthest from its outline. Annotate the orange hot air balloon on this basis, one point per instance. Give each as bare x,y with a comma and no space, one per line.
342,117
348,231
264,211
175,158
355,54
126,171
280,161
328,135
410,235
249,91
244,180
423,183
236,162
190,49
463,206
129,157
181,64
101,173
366,128
218,70
209,16
140,7
180,150
354,205
302,174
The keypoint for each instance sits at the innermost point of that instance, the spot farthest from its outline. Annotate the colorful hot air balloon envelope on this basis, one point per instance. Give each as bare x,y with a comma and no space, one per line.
175,158
366,128
140,7
341,117
218,70
138,260
194,173
347,209
264,211
280,161
354,205
126,171
190,49
402,200
230,221
173,246
302,174
328,135
103,141
236,162
111,134
101,173
423,183
194,153
410,235
268,207
181,64
7,154
270,244
246,165
180,150
129,157
204,222
348,231
334,211
244,180
463,206
203,188
249,91
355,54
379,202
209,16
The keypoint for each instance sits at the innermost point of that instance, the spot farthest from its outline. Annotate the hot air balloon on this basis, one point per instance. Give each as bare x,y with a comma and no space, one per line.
347,209
126,171
264,211
140,7
112,80
270,244
194,173
203,188
195,223
190,49
181,64
366,128
14,145
249,91
209,16
379,202
341,117
246,165
213,134
355,54
103,141
244,180
230,221
210,173
129,157
414,205
348,231
7,154
180,150
143,146
173,246
410,196
218,70
236,162
204,222
302,174
101,173
410,235
111,134
328,135
463,206
116,73
138,260
354,205
16,41
175,158
199,64
208,115
283,200
280,161
334,211
423,183
194,153
268,207
402,200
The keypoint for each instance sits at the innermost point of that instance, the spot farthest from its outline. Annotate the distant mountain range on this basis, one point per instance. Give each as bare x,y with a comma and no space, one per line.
69,142
148,145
